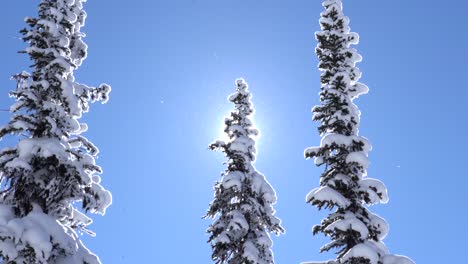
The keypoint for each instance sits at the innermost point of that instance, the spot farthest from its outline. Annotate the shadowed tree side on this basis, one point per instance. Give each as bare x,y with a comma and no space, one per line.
243,200
51,172
355,232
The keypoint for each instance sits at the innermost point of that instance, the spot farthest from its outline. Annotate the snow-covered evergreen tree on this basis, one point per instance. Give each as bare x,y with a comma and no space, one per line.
243,202
52,171
355,232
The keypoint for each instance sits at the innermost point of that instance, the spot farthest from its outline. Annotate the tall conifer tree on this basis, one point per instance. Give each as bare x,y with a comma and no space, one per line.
243,202
52,170
355,232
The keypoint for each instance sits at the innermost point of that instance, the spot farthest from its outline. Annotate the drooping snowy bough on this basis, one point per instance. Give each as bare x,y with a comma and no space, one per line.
243,202
52,170
355,232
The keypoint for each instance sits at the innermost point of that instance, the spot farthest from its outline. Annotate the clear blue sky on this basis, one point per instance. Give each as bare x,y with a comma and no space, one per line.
172,64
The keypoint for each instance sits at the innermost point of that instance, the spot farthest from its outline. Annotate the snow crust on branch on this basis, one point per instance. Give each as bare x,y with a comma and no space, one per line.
320,262
53,169
244,199
356,232
328,195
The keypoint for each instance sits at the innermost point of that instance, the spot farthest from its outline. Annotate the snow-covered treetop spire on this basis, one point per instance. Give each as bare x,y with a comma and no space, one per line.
243,202
239,127
52,170
340,75
344,186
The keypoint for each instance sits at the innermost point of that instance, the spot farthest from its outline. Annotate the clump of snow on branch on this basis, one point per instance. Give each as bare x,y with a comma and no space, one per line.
40,235
52,170
244,199
356,232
